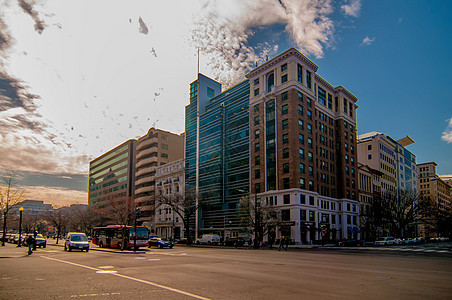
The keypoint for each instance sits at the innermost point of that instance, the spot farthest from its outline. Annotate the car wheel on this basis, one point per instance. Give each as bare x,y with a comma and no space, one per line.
87,250
171,247
65,248
161,246
208,243
70,249
44,246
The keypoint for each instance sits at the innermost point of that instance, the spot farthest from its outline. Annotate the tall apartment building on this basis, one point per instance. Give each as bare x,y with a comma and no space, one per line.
217,154
303,146
156,148
170,183
433,187
112,175
398,165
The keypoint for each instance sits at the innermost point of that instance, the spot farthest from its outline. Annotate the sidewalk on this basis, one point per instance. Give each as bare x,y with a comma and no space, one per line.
12,251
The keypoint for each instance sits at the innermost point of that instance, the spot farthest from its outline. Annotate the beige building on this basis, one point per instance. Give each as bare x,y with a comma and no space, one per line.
432,186
155,149
169,184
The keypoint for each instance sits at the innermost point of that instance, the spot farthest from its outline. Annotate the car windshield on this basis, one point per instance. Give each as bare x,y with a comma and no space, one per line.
40,236
163,239
79,238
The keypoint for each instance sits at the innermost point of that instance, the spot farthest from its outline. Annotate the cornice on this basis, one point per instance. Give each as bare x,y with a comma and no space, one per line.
341,89
274,61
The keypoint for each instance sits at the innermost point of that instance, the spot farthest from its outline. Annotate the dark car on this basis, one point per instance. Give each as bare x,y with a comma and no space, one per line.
235,241
160,242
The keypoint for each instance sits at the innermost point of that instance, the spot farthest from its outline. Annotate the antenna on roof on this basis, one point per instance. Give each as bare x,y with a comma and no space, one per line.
198,60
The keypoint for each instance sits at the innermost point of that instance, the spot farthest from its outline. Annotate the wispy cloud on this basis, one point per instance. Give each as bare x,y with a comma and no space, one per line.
351,8
367,41
447,133
28,7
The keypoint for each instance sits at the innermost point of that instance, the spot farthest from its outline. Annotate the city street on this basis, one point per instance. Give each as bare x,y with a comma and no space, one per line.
223,273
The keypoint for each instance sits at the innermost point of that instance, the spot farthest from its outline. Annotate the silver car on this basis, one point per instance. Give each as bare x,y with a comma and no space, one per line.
76,240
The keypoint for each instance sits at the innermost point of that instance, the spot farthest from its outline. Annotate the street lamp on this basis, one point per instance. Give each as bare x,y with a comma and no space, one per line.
21,209
137,211
257,222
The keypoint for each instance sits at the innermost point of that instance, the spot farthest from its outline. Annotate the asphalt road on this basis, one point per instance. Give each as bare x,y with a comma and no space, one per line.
224,273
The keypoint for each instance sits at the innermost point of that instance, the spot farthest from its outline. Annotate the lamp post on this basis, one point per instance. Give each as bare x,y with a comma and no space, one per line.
137,211
257,222
21,209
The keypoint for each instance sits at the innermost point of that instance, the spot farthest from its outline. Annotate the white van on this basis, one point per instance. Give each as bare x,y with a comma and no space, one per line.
208,239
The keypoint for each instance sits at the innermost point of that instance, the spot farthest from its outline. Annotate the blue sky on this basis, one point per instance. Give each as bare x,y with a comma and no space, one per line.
81,77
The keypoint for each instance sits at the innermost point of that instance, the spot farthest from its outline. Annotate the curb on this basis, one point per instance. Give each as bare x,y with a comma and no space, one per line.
108,250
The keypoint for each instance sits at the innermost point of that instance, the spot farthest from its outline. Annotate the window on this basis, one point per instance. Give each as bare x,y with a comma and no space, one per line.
311,171
256,81
308,79
283,67
302,199
286,199
286,183
309,114
285,138
256,108
284,109
284,78
302,214
165,146
256,120
369,156
309,128
310,157
285,153
309,142
302,168
330,101
270,82
300,96
312,216
257,147
300,73
300,109
311,185
301,153
257,133
285,214
309,101
164,155
345,108
256,92
284,96
286,168
257,174
210,92
322,96
302,183
311,200
300,124
350,109
301,138
257,188
257,160
285,123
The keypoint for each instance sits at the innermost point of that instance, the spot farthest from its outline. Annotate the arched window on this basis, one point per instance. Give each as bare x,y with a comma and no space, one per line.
270,82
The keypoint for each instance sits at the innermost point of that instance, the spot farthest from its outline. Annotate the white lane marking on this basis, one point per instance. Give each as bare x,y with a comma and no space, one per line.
106,267
154,259
106,272
163,253
94,295
140,257
132,278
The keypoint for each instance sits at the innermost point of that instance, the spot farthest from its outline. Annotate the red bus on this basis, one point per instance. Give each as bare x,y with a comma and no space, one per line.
111,236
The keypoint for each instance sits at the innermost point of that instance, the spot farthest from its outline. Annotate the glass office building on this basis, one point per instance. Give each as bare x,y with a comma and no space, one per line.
217,154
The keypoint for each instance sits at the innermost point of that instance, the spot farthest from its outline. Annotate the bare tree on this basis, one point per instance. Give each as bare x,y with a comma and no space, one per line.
436,219
184,205
258,215
59,219
10,195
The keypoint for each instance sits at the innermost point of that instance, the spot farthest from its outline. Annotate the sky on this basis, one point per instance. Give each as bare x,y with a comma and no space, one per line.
78,78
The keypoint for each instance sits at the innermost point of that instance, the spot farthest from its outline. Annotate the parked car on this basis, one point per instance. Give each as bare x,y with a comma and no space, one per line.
76,240
389,240
160,242
208,239
41,241
235,241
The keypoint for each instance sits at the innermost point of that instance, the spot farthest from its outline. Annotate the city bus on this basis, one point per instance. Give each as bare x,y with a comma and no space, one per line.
111,236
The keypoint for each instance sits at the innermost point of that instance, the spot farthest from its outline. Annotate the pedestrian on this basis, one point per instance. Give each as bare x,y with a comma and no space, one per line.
286,244
250,243
30,243
270,243
34,238
281,243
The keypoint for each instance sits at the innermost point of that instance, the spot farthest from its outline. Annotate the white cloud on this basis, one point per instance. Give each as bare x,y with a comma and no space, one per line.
352,8
367,41
57,196
447,133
